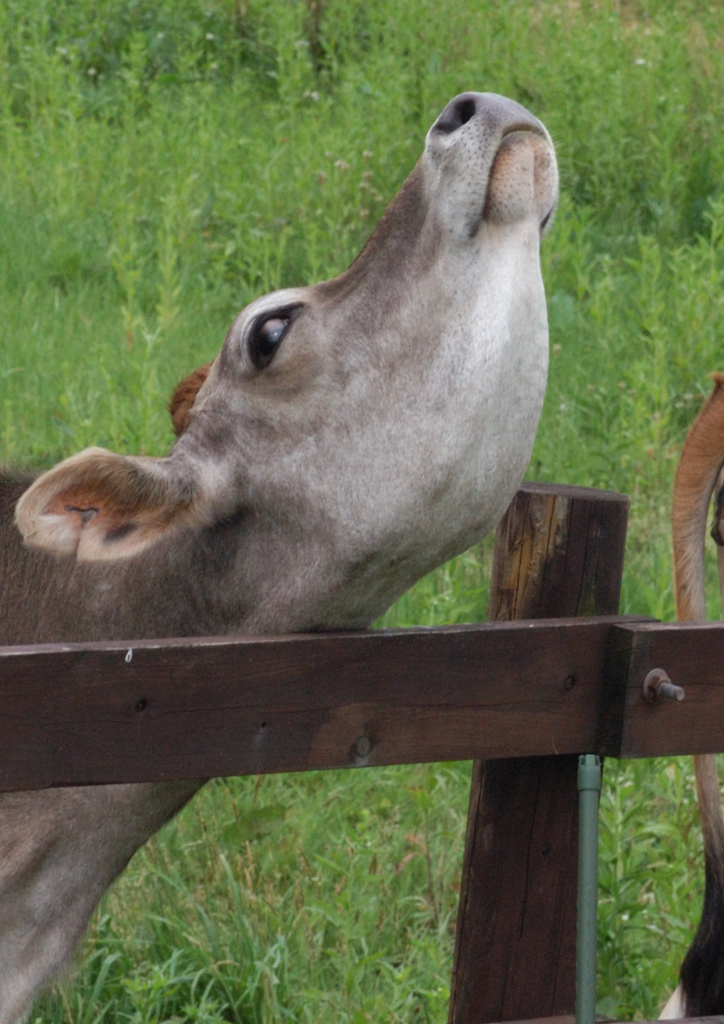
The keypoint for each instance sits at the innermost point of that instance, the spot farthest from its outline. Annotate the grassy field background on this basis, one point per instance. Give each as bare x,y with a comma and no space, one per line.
161,163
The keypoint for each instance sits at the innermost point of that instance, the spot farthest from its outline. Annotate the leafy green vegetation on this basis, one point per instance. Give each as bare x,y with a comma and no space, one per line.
161,164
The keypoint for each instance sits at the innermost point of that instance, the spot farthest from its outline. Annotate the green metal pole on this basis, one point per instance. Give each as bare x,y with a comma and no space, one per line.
589,791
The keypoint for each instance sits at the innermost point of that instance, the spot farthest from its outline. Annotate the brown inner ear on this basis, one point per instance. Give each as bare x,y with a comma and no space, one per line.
98,505
116,504
84,507
86,513
184,397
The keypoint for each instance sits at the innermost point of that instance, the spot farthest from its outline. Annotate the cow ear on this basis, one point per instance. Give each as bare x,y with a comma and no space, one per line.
101,506
184,397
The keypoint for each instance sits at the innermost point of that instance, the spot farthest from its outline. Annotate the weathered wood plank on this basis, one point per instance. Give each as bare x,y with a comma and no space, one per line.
517,916
559,551
69,706
552,553
693,656
69,712
100,713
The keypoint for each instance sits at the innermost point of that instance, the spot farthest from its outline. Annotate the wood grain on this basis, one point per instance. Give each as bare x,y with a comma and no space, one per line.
151,710
83,714
559,551
693,656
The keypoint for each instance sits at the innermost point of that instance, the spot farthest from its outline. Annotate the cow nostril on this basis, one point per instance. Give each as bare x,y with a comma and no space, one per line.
458,114
465,111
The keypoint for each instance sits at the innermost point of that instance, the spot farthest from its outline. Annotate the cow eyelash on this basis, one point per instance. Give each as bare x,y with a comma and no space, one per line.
267,334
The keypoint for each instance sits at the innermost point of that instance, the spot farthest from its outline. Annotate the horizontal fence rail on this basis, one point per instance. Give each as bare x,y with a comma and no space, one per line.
110,712
150,710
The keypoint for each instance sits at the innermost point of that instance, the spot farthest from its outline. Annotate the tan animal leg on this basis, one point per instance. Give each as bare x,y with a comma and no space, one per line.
701,991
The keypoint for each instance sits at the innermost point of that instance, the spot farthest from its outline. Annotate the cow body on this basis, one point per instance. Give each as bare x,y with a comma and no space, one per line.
349,437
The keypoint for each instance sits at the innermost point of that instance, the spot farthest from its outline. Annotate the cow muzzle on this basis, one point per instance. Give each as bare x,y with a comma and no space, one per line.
491,162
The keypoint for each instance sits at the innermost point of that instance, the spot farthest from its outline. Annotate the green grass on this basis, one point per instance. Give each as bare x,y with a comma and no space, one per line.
285,898
161,164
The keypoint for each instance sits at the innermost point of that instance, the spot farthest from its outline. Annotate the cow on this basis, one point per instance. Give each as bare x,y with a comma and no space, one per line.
701,986
349,437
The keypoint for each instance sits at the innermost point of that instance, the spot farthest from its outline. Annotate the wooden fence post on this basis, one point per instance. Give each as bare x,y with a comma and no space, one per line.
559,552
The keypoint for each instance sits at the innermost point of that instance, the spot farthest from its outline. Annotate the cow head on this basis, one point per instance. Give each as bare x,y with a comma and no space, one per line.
362,430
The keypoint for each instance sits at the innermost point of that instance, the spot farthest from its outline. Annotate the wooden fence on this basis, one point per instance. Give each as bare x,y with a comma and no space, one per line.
558,674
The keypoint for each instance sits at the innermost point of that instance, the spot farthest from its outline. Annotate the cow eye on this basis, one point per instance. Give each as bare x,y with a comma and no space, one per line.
265,338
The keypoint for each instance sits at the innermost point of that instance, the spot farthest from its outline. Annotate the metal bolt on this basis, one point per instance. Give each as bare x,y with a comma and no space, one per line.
364,746
658,686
